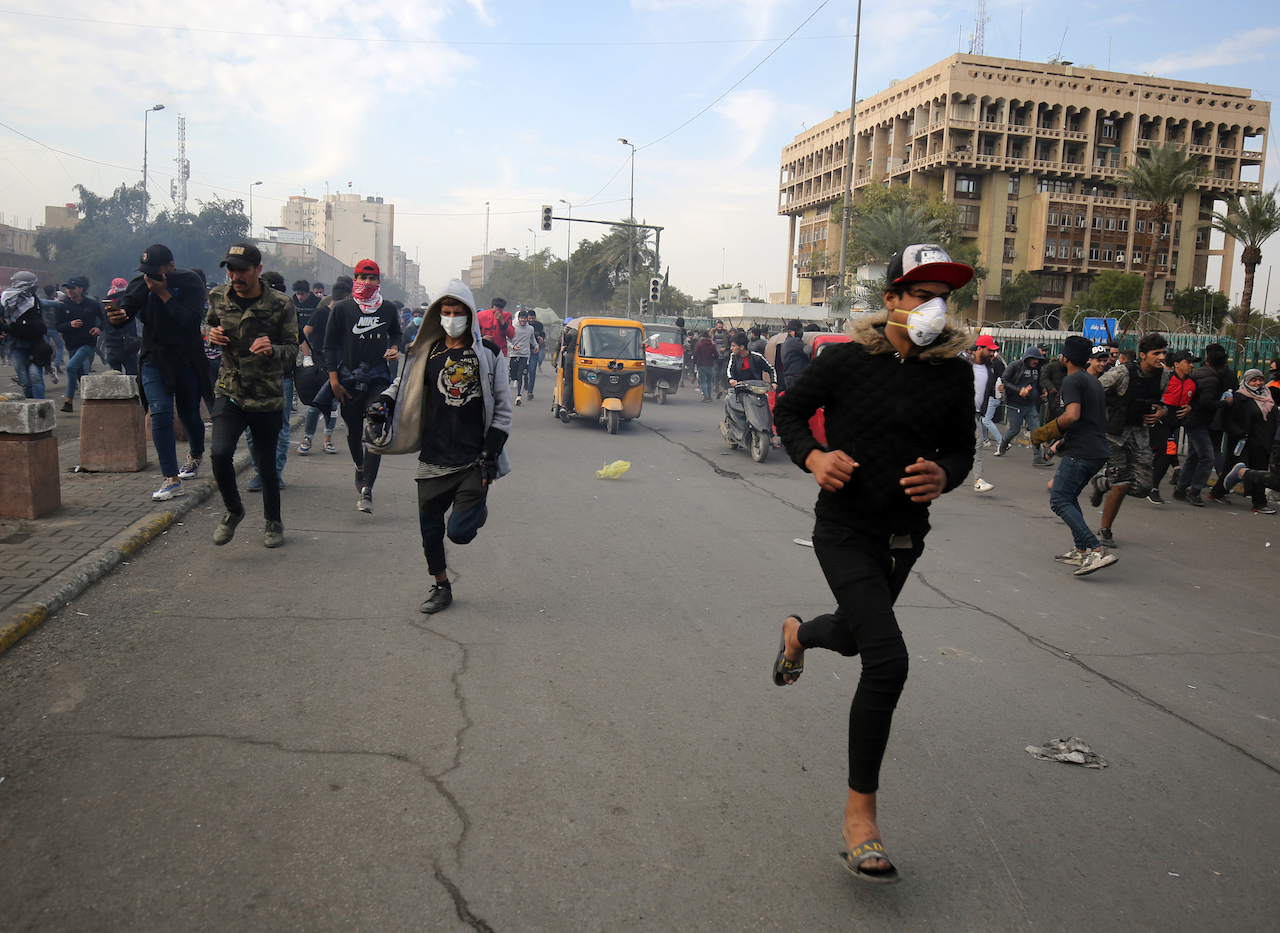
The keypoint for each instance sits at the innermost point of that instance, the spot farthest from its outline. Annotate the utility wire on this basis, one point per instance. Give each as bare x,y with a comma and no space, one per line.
743,78
390,41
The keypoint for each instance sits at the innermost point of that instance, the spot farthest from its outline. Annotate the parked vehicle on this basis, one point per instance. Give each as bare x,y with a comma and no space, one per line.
600,371
816,342
663,360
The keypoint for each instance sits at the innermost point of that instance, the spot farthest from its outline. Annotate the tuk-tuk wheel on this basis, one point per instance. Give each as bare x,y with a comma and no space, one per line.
611,422
662,396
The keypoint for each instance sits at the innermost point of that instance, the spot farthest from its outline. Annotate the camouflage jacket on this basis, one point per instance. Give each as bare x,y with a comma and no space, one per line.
254,381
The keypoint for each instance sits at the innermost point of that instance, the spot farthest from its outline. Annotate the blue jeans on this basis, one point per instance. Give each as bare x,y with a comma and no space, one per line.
535,360
58,347
989,428
126,363
30,376
1072,476
1199,462
282,443
705,377
186,401
313,419
77,366
1018,416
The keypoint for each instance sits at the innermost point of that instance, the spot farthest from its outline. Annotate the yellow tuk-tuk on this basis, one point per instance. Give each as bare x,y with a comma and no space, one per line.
600,371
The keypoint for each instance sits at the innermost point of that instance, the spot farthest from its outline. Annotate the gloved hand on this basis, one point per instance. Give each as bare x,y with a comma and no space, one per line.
488,469
1046,432
379,412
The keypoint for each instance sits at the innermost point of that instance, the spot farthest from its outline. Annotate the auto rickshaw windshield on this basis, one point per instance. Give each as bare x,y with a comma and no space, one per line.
601,341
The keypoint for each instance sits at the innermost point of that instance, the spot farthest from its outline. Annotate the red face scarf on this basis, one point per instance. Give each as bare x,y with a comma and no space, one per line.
368,295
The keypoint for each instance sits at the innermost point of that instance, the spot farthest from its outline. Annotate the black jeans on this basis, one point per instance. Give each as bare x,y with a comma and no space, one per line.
865,576
352,411
229,422
466,492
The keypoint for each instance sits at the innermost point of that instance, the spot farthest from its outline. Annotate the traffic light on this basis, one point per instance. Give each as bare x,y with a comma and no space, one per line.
655,289
644,305
546,217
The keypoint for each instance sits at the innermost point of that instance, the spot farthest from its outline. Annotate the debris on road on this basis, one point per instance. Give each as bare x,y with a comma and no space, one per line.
802,542
613,470
1071,751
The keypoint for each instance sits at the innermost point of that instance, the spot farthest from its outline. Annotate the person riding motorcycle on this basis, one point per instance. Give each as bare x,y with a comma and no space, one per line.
745,364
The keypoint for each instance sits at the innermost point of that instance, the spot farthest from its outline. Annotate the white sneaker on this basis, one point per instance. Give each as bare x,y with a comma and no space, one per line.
1073,556
981,485
190,468
1095,560
170,489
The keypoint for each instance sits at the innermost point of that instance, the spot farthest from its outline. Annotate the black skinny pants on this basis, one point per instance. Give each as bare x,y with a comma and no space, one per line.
865,577
352,411
229,422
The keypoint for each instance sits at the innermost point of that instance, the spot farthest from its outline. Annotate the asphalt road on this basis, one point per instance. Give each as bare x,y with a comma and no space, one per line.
588,740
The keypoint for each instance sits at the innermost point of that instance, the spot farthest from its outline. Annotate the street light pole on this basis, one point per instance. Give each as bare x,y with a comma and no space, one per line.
568,252
631,251
251,187
848,159
146,115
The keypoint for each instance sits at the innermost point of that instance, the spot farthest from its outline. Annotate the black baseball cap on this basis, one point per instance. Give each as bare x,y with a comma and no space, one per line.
1183,356
927,262
242,256
154,258
76,281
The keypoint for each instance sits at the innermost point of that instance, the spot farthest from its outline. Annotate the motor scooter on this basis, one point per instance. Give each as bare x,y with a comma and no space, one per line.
748,423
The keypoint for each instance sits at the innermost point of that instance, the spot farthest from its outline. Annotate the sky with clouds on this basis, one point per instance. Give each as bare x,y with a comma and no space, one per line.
440,106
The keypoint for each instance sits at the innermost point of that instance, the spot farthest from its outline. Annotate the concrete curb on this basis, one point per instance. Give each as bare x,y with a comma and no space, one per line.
44,601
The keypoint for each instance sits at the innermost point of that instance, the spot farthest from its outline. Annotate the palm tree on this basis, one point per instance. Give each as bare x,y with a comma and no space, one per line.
880,234
1251,221
1162,177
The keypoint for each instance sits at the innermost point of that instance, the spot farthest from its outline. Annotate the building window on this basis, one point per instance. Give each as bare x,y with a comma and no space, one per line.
1006,276
1139,226
1097,222
1009,252
1168,292
1077,252
1066,221
1162,259
1015,180
1108,130
1055,186
1174,266
1011,219
1164,229
1080,220
1093,254
1052,220
1106,255
1123,225
1110,223
1050,248
1137,257
969,215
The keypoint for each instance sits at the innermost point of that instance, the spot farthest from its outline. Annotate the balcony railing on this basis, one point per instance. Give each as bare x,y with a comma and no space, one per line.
1251,154
1073,134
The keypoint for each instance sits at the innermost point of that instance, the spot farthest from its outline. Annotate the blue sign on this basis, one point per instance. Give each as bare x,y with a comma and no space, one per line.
1098,329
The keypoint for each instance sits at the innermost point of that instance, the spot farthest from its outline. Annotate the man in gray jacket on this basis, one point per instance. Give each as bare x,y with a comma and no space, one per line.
450,404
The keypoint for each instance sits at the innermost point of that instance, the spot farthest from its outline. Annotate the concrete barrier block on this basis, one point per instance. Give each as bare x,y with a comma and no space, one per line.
112,436
29,482
27,416
108,386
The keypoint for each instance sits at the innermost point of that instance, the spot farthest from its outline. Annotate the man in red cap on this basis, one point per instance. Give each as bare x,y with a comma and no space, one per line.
362,336
899,419
984,393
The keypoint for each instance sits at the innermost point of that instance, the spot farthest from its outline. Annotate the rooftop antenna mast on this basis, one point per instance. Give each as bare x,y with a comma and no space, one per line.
977,41
184,168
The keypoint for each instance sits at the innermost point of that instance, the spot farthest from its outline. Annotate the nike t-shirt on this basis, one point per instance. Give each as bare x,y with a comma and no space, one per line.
354,337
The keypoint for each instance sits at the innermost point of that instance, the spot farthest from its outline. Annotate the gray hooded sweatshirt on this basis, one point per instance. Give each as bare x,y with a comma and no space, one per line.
409,391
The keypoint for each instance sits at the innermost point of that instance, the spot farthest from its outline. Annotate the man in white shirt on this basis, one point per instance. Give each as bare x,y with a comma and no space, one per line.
984,388
520,347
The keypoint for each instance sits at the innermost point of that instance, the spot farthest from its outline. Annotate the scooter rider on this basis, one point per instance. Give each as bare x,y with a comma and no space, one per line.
745,364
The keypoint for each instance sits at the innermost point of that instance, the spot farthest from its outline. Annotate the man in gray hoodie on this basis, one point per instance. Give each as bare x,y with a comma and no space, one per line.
450,404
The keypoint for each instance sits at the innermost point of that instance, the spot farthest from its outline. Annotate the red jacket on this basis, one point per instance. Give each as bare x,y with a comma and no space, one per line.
497,326
1179,391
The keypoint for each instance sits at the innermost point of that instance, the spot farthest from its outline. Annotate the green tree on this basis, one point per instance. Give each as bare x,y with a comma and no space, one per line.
1116,291
1251,221
1017,295
1203,306
1164,175
970,255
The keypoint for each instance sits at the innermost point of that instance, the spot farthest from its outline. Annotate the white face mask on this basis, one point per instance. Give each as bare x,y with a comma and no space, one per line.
455,326
926,322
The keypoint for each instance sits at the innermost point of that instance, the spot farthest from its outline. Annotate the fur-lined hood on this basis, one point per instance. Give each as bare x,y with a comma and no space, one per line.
869,332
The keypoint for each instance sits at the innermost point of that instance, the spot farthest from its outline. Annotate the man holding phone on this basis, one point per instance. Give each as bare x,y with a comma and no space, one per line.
170,303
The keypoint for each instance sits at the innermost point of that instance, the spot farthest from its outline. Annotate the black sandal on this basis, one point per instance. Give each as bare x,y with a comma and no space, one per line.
783,667
872,848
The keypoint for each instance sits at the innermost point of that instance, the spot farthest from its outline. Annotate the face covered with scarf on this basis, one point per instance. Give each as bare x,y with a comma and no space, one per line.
367,291
1255,387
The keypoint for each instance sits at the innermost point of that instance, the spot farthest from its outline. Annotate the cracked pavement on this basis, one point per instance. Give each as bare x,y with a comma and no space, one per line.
247,739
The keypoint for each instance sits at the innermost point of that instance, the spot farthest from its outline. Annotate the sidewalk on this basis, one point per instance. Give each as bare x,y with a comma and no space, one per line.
103,519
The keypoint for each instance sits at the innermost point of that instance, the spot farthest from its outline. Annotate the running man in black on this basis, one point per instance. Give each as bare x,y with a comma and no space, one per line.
899,419
362,336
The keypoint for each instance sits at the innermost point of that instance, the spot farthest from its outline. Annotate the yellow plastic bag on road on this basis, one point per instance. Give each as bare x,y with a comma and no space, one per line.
613,470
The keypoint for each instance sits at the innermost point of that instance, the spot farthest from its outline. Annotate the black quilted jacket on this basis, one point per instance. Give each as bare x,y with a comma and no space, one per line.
884,411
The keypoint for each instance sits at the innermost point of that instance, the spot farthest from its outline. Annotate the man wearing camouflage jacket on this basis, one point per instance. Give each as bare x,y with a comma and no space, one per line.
257,328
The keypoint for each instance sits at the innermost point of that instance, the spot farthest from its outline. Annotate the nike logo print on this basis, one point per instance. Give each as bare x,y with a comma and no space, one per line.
366,324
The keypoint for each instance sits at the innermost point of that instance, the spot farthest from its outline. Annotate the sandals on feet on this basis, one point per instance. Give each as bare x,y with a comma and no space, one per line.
781,666
871,849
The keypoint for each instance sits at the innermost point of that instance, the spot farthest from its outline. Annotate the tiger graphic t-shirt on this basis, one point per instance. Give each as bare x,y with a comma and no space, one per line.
453,429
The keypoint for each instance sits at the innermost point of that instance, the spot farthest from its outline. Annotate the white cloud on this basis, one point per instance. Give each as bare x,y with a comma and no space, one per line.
1251,46
752,113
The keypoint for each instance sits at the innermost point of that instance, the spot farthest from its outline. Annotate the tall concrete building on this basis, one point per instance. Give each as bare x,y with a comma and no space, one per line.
1032,153
483,264
346,226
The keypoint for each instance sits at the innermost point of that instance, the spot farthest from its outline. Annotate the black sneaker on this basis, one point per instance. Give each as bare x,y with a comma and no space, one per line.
1264,509
1179,493
226,529
1096,492
1106,538
365,502
1002,449
440,597
1154,496
274,534
1193,498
